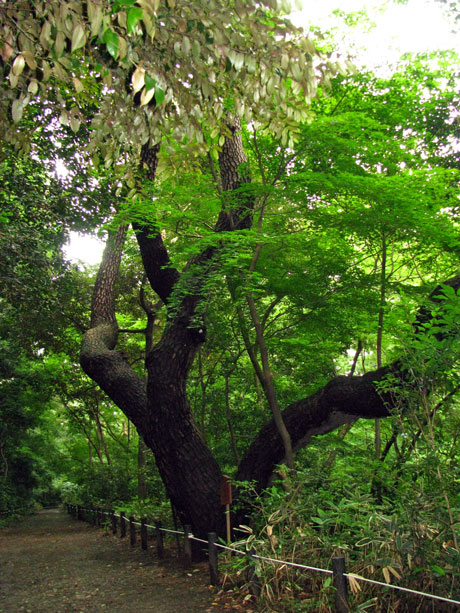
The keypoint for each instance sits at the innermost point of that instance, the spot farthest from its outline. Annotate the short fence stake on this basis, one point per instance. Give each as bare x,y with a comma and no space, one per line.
122,524
79,513
212,555
144,533
159,539
187,547
340,584
114,522
253,579
132,531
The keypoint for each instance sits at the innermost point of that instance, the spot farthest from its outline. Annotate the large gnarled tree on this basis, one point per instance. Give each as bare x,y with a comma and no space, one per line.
154,74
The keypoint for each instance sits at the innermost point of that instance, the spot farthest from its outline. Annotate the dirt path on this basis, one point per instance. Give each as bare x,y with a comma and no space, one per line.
52,563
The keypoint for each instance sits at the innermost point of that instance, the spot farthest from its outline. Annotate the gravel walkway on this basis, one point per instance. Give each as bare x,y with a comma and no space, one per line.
51,563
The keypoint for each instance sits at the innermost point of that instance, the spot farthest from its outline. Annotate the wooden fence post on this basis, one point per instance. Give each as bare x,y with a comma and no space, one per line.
159,540
122,524
144,534
114,521
340,584
187,547
212,556
132,531
79,513
253,579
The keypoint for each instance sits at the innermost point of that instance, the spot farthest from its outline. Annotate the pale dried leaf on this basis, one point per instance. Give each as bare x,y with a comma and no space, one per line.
95,17
7,49
354,583
18,65
30,60
75,123
64,118
146,96
138,79
78,37
394,572
386,574
186,46
78,85
59,44
16,110
33,87
122,47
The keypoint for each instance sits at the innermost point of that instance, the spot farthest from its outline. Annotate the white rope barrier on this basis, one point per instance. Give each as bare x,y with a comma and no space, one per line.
286,563
292,564
330,572
172,531
194,538
242,553
397,587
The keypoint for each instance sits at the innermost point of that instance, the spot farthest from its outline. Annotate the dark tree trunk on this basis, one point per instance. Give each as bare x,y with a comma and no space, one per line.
162,414
341,401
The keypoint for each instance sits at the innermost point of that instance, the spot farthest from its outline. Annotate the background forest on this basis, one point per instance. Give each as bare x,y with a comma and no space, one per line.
355,226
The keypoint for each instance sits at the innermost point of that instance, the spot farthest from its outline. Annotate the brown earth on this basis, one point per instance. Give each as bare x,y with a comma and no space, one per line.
52,563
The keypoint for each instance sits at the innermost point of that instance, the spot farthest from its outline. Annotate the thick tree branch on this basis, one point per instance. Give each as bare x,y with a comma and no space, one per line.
341,401
103,301
108,368
155,257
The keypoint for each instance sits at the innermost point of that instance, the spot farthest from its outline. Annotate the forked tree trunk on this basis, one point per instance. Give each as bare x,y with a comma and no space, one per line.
162,414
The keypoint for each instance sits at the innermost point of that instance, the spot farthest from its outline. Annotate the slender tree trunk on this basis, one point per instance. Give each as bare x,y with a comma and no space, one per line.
228,415
100,436
4,461
142,449
269,386
383,272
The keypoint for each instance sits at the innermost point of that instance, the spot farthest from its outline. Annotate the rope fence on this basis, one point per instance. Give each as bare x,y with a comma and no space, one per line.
339,575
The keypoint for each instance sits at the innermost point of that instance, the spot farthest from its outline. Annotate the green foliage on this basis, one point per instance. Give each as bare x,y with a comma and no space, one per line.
200,57
401,541
353,223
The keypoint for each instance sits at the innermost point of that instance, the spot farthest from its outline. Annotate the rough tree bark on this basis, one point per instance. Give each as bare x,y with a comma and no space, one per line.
162,414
